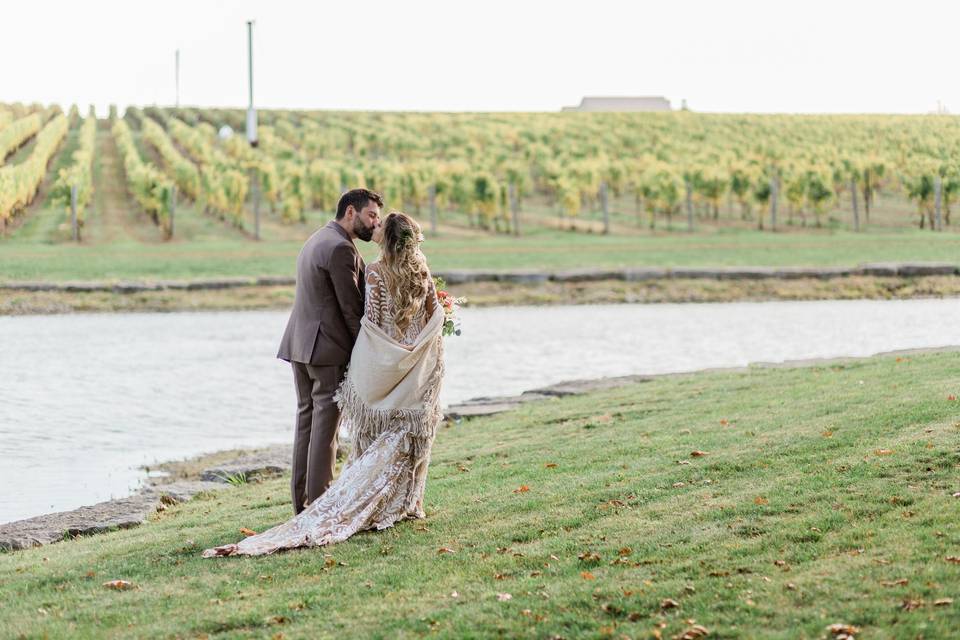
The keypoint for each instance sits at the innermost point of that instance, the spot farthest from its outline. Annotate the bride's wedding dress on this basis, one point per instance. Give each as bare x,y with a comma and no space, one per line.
391,423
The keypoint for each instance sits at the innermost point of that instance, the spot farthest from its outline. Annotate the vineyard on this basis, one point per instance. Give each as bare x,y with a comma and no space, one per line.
190,174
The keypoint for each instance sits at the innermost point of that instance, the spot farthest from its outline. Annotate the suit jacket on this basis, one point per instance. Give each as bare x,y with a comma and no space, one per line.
328,304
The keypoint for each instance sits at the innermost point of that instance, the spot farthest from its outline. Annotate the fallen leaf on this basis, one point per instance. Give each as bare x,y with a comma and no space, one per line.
247,532
526,612
894,583
550,465
612,609
586,575
589,556
683,462
522,489
953,559
951,397
669,603
843,631
119,585
454,594
942,602
724,422
694,632
827,434
910,605
445,550
277,620
697,453
503,597
625,551
536,574
760,500
884,452
677,485
791,586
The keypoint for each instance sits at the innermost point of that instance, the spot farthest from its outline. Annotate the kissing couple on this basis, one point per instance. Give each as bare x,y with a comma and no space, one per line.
386,321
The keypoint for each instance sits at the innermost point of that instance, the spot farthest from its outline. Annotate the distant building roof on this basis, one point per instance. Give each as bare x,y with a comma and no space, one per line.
642,103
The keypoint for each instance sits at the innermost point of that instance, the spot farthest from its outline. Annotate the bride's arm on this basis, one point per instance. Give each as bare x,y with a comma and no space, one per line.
374,299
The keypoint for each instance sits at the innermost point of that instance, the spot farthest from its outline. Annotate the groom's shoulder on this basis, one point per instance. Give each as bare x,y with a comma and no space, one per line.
325,242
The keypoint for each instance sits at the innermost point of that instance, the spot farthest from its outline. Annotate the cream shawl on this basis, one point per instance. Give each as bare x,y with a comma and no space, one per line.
392,386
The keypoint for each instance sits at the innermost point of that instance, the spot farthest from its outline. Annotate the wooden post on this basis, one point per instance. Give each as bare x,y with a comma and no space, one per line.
774,197
605,207
856,209
514,210
73,213
937,202
173,208
255,187
432,194
689,188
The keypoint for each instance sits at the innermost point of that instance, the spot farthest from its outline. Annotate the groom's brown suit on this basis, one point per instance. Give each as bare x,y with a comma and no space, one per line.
318,340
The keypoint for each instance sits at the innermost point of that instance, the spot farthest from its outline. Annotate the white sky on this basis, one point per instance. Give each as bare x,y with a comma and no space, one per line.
721,55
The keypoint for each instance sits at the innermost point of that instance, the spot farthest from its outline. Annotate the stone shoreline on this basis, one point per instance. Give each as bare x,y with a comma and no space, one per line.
222,470
532,276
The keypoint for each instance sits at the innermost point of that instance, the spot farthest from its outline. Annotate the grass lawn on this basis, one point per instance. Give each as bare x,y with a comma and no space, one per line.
207,248
824,496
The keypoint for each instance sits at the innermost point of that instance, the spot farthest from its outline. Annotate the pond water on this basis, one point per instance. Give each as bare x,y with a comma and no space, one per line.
86,399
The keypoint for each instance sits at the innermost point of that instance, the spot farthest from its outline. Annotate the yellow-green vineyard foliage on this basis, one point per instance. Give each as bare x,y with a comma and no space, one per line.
184,172
223,183
79,172
147,184
17,132
19,183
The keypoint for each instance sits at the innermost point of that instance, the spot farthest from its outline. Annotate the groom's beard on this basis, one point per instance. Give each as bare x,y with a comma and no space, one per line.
361,231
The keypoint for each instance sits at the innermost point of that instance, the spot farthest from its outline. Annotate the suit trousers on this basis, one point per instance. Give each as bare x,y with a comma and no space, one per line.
315,438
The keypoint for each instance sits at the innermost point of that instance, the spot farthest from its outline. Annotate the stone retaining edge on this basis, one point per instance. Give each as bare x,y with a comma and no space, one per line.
533,276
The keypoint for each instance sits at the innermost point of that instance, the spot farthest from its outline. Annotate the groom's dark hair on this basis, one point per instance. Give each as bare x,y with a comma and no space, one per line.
359,199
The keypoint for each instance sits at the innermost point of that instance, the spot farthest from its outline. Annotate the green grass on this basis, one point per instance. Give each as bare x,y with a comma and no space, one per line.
213,250
795,519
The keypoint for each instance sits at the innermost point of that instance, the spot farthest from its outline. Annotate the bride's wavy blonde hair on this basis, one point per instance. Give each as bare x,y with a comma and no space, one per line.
405,268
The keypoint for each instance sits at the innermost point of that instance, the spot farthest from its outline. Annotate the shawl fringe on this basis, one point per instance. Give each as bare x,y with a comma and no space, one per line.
365,424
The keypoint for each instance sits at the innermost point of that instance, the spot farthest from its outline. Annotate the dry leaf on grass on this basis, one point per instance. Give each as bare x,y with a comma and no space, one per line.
894,583
843,631
953,559
550,465
503,597
247,532
586,575
910,605
697,453
119,585
760,500
669,603
522,489
694,632
588,556
942,602
445,550
884,452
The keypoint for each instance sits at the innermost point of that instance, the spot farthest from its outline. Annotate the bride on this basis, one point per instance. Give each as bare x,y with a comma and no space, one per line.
389,403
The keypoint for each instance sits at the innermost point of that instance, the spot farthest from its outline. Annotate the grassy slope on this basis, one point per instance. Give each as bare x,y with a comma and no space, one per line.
793,474
222,253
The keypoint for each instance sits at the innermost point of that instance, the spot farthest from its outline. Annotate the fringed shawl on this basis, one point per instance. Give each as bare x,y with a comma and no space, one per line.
392,387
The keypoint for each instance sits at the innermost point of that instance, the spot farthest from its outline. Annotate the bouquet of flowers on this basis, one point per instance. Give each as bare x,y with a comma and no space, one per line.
451,323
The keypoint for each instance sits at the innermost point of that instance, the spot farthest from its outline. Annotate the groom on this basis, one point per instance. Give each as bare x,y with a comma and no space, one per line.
320,334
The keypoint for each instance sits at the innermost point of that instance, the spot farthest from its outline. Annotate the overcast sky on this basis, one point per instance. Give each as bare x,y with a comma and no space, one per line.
524,55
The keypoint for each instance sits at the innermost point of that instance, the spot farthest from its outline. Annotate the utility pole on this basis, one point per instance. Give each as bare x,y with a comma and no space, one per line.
252,134
251,112
177,74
